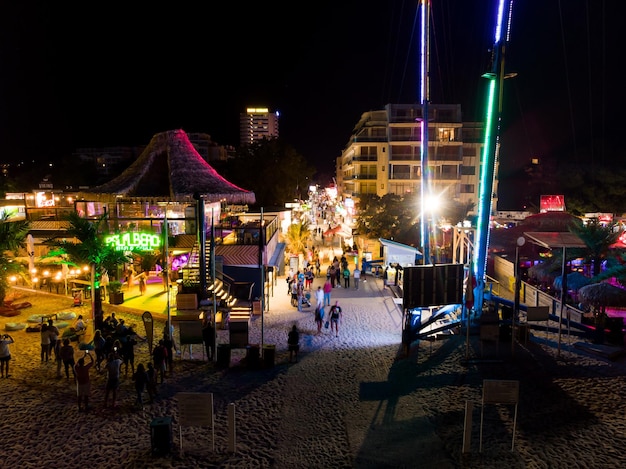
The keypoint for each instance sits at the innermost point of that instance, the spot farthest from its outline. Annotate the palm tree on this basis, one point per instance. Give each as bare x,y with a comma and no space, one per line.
297,237
89,248
12,238
598,238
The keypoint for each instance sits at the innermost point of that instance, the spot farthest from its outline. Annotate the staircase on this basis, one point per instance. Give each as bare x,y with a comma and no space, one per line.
222,285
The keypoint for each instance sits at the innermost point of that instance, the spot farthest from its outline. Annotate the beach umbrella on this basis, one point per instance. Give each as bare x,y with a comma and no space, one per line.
601,295
575,280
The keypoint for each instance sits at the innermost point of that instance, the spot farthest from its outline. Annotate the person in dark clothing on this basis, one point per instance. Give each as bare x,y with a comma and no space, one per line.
293,342
208,336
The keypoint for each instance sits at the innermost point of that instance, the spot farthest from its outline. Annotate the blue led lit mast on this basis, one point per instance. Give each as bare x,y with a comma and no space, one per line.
491,148
425,96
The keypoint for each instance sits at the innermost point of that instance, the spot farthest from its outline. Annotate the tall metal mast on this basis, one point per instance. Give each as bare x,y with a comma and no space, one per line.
491,147
425,97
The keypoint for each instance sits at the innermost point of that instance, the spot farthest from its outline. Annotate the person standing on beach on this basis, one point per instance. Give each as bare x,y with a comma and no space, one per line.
333,275
208,336
293,343
335,317
140,377
83,381
45,343
151,384
128,351
357,275
67,355
346,277
5,355
99,343
113,367
328,288
159,358
53,332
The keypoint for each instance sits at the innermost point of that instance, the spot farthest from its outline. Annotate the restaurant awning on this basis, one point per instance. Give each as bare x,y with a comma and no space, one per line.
555,239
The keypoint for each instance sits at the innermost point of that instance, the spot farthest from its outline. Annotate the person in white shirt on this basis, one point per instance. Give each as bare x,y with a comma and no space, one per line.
319,297
357,275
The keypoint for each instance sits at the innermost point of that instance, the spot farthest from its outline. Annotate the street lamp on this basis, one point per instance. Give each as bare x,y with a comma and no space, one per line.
520,242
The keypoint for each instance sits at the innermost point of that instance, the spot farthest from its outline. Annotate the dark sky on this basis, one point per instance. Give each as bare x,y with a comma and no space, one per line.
114,73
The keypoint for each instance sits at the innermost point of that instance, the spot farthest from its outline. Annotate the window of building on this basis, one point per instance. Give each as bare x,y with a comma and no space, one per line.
468,170
446,134
467,188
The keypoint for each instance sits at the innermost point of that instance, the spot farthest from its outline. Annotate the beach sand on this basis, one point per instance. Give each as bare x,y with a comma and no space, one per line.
350,401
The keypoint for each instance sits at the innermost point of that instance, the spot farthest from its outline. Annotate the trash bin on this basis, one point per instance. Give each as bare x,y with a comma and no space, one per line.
223,355
615,327
253,354
161,435
269,353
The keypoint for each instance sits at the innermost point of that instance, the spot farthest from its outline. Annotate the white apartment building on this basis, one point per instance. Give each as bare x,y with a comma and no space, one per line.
256,124
384,154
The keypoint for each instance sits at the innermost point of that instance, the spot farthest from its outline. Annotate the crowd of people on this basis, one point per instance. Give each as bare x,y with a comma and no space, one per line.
111,353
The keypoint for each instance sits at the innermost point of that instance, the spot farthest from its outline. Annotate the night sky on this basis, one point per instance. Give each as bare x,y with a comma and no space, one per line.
113,73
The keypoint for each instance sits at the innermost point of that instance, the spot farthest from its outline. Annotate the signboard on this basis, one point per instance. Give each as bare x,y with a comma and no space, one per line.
552,203
195,409
537,313
496,391
149,326
432,285
134,241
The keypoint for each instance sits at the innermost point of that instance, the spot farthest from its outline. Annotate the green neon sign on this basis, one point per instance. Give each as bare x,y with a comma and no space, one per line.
134,241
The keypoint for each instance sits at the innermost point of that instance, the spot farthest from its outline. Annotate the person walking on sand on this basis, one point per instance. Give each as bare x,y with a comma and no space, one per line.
293,343
328,288
319,297
319,317
83,381
357,275
335,317
67,355
5,355
113,367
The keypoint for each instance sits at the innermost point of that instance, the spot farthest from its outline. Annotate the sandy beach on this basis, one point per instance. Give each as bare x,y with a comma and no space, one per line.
350,401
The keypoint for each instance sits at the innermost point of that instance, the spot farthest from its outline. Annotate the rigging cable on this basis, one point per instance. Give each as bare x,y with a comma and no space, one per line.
590,78
567,83
408,54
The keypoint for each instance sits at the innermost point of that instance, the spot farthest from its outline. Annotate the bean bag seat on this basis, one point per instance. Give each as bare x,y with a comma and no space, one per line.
61,324
35,318
89,346
34,328
66,315
14,326
8,312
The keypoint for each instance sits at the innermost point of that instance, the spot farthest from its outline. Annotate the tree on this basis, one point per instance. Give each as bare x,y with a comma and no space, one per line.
273,170
12,238
390,216
89,248
598,238
297,237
